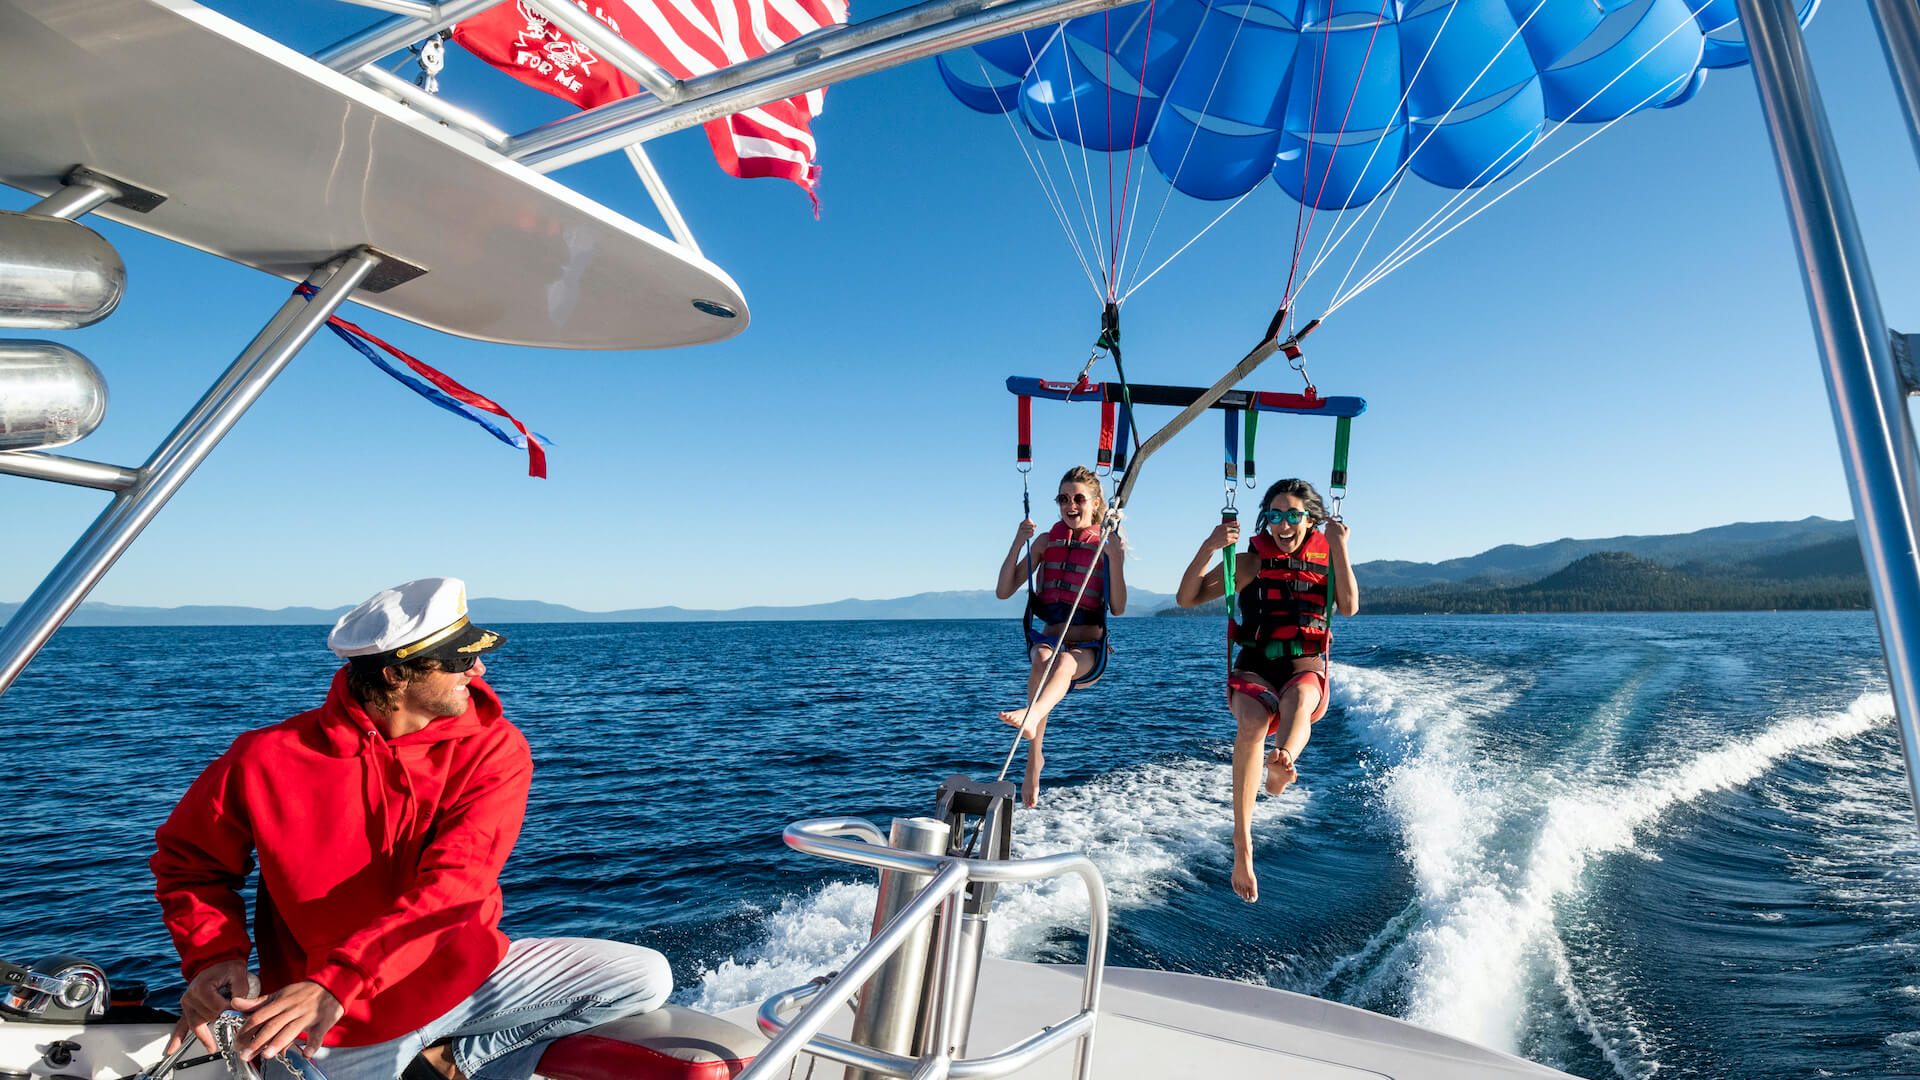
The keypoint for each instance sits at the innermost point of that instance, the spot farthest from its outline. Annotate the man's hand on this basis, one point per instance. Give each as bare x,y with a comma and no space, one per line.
206,997
275,1021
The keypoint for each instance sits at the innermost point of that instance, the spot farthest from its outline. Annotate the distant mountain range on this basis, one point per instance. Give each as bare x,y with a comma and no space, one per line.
959,604
1513,564
1793,565
1724,565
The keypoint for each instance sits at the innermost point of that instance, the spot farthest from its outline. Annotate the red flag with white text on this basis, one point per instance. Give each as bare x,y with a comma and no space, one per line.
687,38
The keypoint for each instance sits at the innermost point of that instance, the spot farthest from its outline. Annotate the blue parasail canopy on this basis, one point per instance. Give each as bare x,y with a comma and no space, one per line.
1332,97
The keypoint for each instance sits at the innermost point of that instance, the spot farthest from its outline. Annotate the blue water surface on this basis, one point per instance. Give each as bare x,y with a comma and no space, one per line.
1620,845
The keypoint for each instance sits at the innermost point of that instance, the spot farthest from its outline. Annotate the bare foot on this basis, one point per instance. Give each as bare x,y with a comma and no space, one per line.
1021,719
1280,771
1030,789
1244,881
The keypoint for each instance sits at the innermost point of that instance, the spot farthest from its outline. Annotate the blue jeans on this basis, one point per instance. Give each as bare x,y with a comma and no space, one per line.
544,989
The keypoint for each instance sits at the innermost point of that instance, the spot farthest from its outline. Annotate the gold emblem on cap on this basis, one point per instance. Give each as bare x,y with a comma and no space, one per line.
431,640
484,643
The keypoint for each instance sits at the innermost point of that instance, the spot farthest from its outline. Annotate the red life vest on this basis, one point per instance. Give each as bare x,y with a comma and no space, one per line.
1290,599
1065,562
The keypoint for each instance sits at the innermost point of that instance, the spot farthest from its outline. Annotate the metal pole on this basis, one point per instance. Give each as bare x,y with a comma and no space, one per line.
76,200
889,1007
1899,23
616,50
1869,406
809,63
776,1055
130,511
66,470
662,198
377,41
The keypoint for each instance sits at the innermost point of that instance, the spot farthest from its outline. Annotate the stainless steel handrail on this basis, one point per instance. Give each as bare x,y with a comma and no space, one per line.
824,837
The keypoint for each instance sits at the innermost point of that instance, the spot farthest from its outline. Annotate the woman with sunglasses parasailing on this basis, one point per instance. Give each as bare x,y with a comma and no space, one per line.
1079,583
1297,574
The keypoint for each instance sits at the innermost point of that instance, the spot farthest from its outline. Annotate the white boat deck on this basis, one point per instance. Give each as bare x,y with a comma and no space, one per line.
277,162
1168,1026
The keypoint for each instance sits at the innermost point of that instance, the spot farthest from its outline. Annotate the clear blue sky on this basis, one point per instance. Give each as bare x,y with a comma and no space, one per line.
1621,347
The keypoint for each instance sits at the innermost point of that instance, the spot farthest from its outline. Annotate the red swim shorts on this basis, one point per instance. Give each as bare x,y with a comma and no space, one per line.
1270,699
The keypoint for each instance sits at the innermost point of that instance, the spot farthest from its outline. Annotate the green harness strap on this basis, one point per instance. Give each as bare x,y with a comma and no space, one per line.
1253,425
1342,432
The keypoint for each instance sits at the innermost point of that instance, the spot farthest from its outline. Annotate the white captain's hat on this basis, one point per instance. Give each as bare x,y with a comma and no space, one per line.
427,617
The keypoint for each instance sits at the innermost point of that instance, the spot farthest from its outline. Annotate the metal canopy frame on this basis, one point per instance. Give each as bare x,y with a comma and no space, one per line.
140,493
666,104
1864,387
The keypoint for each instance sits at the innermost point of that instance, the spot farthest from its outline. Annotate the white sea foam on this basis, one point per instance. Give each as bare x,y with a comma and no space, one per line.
1145,827
808,936
1489,912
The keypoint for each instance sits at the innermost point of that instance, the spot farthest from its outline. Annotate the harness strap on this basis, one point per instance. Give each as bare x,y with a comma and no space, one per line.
1023,442
1253,425
1342,433
1103,457
1233,448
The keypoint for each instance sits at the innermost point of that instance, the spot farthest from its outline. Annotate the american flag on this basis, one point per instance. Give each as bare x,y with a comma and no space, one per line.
687,38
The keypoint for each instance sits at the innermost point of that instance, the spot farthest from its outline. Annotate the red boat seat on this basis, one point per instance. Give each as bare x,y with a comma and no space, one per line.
669,1043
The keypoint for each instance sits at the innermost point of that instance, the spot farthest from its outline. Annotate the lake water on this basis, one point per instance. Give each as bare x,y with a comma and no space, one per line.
1620,845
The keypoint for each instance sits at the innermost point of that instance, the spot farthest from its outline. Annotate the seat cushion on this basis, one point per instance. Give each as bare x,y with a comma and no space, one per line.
669,1043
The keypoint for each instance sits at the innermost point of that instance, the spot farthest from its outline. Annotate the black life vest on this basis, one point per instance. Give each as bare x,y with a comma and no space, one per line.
1288,604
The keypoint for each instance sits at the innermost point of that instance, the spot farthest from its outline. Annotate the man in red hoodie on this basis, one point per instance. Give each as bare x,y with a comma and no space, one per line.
380,823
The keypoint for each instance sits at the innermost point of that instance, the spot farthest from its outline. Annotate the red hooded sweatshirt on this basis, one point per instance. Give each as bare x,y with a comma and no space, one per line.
379,858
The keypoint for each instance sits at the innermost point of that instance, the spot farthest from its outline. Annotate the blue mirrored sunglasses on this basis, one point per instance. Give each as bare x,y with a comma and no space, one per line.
1274,517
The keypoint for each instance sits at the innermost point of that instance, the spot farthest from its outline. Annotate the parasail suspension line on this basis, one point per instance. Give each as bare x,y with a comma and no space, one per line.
1183,247
1174,181
1432,130
1081,199
1300,213
1321,255
1425,236
1407,249
1047,187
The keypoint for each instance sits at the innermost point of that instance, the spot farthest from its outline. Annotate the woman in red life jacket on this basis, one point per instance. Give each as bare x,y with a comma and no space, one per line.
1294,576
1062,561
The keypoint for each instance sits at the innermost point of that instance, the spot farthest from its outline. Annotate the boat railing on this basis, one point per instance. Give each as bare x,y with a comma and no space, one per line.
941,896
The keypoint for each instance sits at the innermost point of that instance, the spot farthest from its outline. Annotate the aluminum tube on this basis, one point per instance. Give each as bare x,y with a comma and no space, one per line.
605,40
1096,967
413,9
662,198
433,105
776,1054
56,274
1899,23
240,368
1025,1053
376,41
827,1046
1016,1057
130,511
816,836
891,1002
1869,406
945,986
76,200
66,470
779,75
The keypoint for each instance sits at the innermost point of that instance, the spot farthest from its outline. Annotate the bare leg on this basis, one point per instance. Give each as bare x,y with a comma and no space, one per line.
1248,743
1032,718
1032,721
1297,706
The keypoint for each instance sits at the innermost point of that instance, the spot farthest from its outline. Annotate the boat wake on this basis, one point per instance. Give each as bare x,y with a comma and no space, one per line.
1497,846
1146,827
